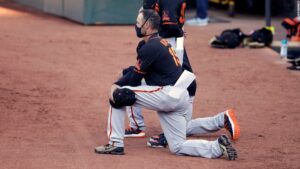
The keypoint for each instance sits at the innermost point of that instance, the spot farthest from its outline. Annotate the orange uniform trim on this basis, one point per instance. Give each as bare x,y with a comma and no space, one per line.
169,23
175,58
110,125
133,117
171,51
140,72
182,13
148,91
164,42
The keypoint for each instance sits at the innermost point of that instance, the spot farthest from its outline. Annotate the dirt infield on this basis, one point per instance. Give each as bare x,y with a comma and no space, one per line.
55,76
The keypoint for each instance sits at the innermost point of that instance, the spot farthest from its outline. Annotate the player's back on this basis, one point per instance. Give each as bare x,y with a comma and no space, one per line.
172,16
160,63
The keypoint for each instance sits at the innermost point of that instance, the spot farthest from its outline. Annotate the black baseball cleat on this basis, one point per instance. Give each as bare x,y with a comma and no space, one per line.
228,150
109,149
137,133
159,141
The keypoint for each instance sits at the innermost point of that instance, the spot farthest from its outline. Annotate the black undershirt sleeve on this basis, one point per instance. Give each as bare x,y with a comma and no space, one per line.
131,78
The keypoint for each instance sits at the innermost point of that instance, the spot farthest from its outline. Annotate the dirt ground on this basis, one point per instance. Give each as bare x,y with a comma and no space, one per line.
55,77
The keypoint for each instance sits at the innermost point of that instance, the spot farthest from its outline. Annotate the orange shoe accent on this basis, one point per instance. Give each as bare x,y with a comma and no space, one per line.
234,123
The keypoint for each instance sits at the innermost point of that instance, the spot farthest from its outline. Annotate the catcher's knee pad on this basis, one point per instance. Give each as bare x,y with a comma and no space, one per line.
122,97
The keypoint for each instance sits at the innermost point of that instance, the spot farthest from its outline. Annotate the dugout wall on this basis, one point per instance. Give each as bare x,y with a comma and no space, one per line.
90,11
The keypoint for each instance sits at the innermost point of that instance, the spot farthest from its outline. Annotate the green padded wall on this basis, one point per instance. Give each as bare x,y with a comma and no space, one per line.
113,11
54,7
38,4
90,11
102,11
75,10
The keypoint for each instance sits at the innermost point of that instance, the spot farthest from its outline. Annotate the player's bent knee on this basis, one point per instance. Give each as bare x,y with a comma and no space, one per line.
175,149
122,97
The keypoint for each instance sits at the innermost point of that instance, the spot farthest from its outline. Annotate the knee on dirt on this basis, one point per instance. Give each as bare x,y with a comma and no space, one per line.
175,148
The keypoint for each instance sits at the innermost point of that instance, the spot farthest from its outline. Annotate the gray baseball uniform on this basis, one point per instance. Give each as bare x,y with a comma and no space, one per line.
172,114
194,126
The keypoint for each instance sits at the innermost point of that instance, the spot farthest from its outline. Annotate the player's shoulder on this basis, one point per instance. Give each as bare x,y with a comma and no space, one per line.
152,46
158,43
152,42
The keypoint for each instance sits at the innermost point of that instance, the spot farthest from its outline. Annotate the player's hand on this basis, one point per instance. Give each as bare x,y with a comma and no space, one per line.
112,89
119,74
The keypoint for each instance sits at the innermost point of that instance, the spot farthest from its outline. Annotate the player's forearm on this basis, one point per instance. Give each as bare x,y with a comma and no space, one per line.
112,89
128,69
131,78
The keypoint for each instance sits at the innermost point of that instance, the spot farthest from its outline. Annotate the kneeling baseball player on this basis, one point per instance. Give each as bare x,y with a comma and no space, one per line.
160,67
171,29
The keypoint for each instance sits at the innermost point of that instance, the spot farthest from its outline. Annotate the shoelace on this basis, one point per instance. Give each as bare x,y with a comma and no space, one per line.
107,146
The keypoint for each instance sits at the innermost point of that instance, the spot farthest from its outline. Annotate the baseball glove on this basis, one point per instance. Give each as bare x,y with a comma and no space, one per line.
129,69
122,97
